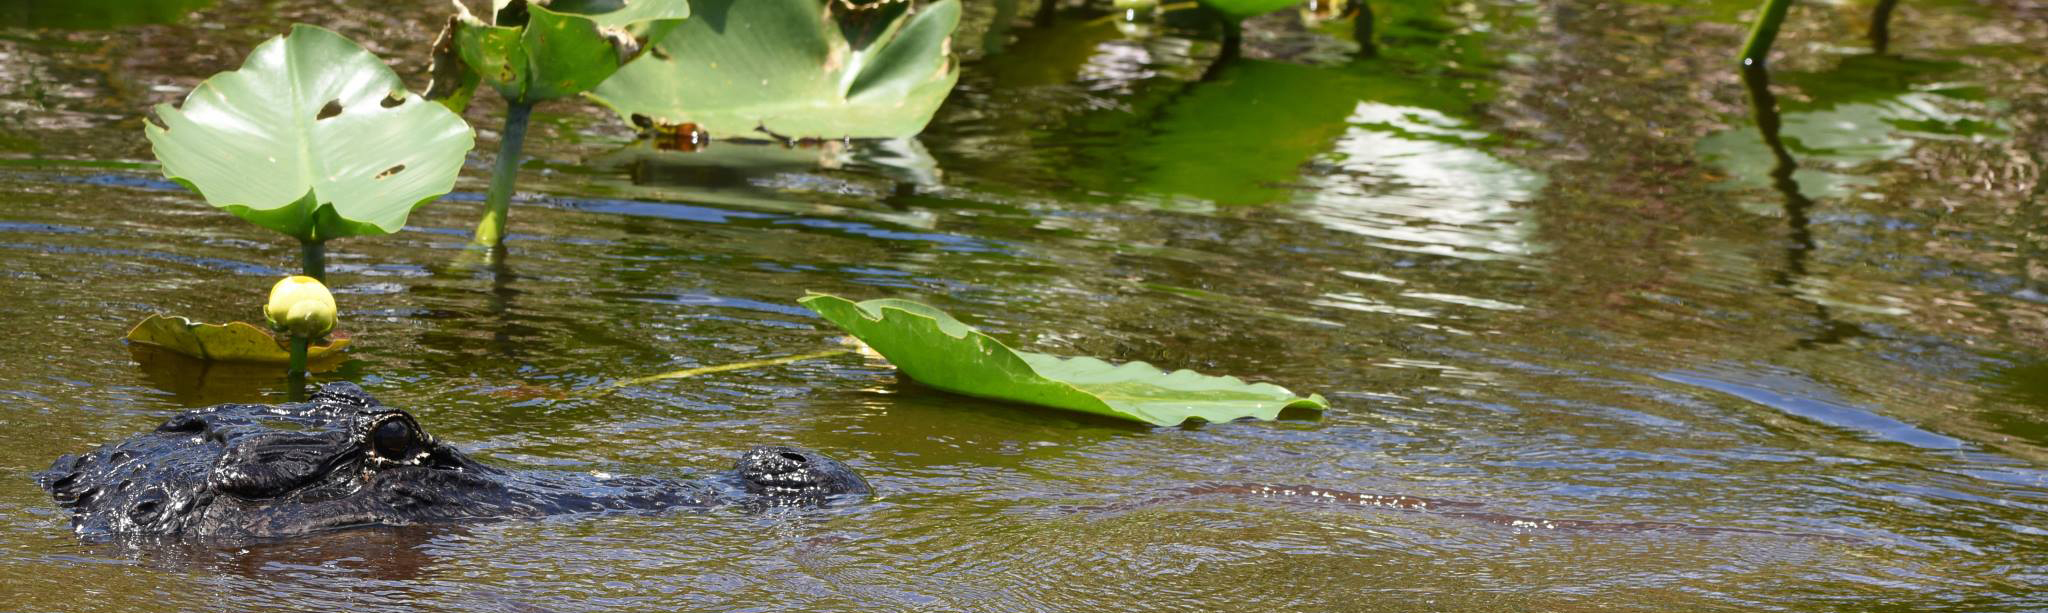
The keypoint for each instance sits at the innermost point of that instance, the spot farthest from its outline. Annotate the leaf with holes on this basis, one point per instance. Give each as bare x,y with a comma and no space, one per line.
313,137
794,69
937,350
533,51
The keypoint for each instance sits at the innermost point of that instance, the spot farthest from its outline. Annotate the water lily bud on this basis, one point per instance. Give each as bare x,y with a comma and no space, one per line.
300,305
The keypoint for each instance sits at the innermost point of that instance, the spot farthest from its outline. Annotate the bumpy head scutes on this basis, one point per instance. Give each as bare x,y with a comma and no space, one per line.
344,460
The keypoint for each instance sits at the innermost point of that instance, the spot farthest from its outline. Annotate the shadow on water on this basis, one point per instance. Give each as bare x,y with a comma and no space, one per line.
193,382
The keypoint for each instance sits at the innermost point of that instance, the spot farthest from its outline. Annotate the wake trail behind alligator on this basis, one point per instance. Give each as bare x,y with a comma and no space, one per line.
1304,494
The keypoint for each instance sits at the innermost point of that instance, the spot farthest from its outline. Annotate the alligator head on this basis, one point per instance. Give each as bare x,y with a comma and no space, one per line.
342,460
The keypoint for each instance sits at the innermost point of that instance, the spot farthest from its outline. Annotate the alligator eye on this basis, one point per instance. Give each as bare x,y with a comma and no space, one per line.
391,439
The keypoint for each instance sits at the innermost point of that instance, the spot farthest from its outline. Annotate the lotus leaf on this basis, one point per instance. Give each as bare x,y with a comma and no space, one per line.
937,350
230,342
313,137
533,52
786,68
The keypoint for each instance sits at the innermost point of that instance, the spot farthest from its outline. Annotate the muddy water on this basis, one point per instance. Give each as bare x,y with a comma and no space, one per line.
1591,342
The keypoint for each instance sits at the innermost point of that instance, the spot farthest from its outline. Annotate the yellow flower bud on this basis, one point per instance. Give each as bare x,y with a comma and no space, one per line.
300,305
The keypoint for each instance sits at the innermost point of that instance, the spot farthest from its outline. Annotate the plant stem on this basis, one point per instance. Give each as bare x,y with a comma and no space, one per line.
295,383
1881,26
1361,29
1233,43
490,232
1233,39
1764,31
313,259
705,370
299,346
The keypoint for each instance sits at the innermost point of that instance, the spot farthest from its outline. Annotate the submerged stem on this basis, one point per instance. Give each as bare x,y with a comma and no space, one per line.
490,232
1764,31
704,370
313,259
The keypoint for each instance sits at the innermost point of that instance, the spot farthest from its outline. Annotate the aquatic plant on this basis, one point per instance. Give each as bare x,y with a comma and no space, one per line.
312,137
1771,15
935,349
531,52
1764,31
302,308
235,341
785,69
1230,14
299,307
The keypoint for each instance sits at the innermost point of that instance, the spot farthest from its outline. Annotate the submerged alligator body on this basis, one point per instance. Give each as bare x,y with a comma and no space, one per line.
342,460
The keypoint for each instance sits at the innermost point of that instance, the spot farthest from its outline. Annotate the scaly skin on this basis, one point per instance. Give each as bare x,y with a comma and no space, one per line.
341,460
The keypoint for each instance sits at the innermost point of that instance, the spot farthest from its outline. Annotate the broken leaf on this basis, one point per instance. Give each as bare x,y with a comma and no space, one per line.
541,51
794,69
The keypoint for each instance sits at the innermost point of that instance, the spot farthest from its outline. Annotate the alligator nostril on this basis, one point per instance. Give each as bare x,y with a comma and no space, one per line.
794,457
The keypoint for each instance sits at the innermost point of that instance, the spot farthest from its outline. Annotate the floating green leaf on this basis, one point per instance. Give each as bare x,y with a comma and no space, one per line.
95,14
313,137
937,350
230,342
542,51
793,69
1240,9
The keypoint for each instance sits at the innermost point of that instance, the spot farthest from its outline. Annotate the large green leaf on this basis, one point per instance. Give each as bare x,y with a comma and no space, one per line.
532,52
937,350
313,137
793,69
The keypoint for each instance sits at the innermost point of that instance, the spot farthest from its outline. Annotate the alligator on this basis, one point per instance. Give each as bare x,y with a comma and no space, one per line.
343,460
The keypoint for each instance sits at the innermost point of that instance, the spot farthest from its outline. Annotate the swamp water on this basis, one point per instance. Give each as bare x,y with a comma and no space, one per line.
1534,253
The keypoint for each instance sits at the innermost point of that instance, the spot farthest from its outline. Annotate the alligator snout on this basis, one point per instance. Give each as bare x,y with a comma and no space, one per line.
797,474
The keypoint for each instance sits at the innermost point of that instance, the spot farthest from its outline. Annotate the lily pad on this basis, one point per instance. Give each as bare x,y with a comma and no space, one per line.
95,14
313,137
541,51
794,69
230,342
1240,9
937,350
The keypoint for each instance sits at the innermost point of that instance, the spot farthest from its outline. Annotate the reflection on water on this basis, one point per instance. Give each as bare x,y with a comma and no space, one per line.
1408,176
1650,343
1868,109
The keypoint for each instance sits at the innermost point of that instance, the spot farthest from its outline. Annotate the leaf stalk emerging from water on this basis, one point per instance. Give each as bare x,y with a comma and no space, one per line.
1764,31
490,232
